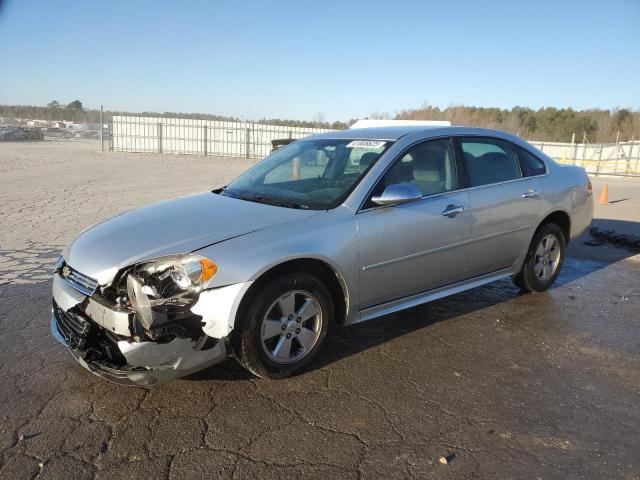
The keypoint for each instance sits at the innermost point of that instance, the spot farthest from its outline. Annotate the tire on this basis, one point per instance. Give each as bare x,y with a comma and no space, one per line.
272,341
533,277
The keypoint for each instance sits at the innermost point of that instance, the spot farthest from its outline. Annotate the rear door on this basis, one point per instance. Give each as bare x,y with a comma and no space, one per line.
414,247
505,204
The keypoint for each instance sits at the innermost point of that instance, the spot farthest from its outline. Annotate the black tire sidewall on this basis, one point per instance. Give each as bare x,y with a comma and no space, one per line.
530,281
248,348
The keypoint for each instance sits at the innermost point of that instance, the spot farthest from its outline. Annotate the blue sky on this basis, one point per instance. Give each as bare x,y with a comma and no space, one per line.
345,59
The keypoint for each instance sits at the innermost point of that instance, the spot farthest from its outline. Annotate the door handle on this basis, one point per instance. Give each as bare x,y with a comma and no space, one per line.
452,210
532,194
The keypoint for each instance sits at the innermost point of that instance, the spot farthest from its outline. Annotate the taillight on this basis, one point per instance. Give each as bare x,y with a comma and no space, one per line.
589,186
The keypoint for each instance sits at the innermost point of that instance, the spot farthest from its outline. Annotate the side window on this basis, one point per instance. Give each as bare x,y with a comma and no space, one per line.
489,161
530,164
429,166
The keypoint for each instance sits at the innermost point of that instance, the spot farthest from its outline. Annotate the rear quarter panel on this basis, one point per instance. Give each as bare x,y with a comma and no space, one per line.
565,188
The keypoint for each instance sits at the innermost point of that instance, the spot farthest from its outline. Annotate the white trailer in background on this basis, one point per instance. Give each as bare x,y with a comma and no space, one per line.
366,123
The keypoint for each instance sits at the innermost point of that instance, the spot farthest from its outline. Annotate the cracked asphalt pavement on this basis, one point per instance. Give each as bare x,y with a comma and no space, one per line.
503,385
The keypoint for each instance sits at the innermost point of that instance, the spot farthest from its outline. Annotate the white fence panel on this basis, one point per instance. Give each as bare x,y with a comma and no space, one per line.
200,137
253,140
621,158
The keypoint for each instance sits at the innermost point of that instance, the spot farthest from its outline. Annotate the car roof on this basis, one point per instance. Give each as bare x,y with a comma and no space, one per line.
394,133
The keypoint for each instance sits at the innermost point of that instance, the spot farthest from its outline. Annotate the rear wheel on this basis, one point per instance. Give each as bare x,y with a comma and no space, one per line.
543,261
285,326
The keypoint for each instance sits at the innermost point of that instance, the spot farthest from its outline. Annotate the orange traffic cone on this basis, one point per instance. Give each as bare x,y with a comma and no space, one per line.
604,195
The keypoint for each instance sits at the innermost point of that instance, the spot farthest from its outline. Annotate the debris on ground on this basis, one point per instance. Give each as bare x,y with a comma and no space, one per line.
632,242
594,243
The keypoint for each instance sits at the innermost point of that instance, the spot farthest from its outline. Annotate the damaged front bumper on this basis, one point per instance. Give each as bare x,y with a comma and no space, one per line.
100,339
148,363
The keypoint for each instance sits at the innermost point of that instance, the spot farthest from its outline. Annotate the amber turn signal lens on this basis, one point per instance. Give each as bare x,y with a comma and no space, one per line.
209,269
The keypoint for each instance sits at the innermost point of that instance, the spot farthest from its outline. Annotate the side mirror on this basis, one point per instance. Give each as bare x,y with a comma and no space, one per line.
397,194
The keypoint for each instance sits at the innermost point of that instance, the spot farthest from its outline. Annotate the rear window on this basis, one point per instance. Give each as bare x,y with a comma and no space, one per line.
530,164
489,160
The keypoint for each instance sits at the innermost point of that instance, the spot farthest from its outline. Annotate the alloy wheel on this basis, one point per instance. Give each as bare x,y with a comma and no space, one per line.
291,327
547,258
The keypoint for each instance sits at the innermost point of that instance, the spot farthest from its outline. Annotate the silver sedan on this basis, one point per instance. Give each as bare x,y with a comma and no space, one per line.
330,230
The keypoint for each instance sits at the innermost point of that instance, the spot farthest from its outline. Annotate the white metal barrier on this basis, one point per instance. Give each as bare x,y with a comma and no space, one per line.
620,159
199,137
253,140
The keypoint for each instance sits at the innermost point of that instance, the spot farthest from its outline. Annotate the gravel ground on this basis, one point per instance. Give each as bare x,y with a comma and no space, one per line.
505,385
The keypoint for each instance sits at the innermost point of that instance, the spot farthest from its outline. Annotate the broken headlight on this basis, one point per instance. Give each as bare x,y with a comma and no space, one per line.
167,283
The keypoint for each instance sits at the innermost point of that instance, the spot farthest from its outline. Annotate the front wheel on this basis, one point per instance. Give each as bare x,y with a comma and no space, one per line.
285,326
543,261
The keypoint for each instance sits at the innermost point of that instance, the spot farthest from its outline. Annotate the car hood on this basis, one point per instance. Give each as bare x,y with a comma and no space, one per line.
176,226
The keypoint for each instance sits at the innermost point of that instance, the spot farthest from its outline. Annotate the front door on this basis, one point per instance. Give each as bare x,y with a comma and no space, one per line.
418,246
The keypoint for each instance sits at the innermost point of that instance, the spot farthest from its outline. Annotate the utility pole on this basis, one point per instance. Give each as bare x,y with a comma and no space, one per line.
617,155
628,170
101,131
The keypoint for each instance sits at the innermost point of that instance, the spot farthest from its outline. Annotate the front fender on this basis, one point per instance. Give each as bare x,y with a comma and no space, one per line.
330,237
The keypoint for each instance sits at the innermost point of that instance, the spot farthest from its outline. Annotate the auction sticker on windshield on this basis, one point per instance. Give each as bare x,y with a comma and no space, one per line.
366,144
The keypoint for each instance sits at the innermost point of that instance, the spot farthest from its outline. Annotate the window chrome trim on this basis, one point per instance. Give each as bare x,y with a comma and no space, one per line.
427,197
457,137
466,189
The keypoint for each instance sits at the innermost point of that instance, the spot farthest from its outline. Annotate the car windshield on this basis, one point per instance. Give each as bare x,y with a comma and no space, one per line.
315,173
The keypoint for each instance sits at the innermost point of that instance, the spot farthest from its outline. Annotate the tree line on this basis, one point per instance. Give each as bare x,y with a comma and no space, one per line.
547,124
76,112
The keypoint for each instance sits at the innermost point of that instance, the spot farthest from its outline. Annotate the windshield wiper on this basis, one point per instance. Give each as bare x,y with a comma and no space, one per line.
227,193
272,201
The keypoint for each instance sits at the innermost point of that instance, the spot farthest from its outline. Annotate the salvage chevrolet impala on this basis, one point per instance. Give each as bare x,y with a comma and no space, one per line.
330,230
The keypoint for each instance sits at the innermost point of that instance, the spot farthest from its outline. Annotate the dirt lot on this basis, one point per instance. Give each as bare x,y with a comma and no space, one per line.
505,385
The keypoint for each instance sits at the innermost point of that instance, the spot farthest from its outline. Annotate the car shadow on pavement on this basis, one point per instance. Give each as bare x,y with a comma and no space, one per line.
581,261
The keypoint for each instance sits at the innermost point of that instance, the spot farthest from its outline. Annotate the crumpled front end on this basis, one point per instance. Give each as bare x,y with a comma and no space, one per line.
103,331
